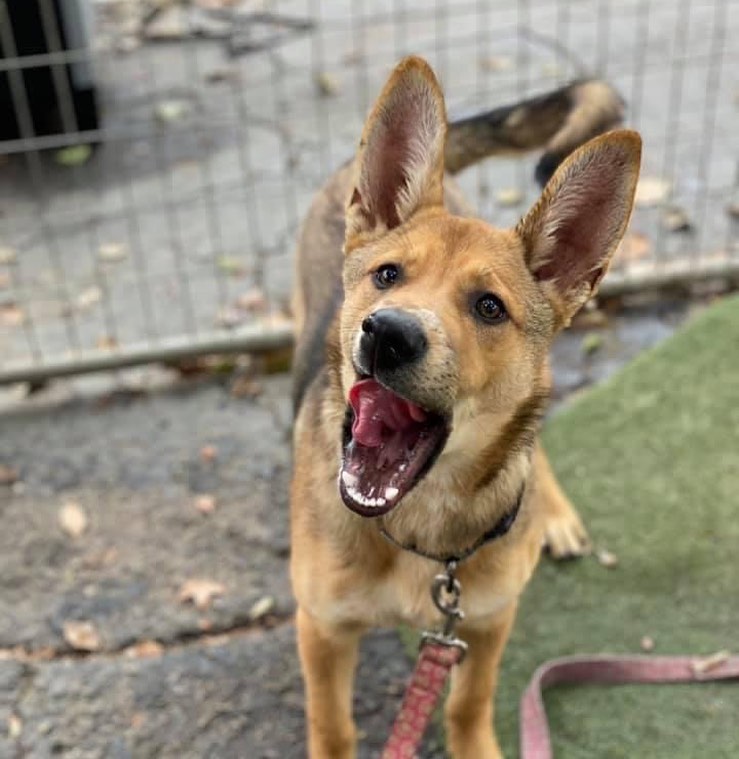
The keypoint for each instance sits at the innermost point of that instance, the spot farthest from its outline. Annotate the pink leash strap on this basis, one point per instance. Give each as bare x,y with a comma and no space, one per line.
534,729
421,696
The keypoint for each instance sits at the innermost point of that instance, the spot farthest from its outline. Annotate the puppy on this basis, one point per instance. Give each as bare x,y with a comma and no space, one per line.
421,379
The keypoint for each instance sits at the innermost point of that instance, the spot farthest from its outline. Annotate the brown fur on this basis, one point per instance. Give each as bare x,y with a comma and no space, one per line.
492,380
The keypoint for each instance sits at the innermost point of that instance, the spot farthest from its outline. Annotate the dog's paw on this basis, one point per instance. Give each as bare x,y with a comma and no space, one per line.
565,537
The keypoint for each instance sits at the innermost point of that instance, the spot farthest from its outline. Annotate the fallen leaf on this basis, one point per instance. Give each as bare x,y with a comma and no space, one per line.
633,247
647,644
81,636
8,255
705,664
652,191
205,504
231,265
252,300
8,475
261,608
137,720
11,315
169,111
145,649
74,155
230,318
72,519
201,593
89,298
509,197
496,63
209,453
591,343
606,558
106,342
327,84
112,251
674,219
245,387
15,727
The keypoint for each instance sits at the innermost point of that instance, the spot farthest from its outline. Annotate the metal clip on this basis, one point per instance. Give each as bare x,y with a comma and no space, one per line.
445,593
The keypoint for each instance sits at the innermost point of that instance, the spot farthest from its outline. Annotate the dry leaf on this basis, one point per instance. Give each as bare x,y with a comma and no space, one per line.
169,111
675,219
201,593
652,191
112,251
606,558
647,643
327,84
209,453
252,300
11,315
509,197
633,247
89,297
205,504
8,475
8,255
231,265
591,343
496,63
81,636
145,649
261,608
15,727
72,519
708,663
245,387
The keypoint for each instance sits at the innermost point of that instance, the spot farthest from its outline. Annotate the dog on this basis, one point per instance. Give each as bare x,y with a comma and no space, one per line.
421,378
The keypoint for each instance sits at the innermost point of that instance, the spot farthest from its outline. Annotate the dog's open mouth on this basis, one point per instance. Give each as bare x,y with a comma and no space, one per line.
391,444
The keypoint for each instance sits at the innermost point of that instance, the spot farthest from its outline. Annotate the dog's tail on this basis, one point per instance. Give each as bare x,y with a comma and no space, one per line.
558,121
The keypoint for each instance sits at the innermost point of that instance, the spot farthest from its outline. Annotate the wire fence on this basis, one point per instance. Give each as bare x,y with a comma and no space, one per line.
156,157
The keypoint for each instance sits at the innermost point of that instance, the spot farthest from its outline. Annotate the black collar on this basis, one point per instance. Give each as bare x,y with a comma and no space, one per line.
498,530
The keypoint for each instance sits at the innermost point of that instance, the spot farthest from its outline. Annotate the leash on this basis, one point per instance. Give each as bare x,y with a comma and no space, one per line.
534,730
439,651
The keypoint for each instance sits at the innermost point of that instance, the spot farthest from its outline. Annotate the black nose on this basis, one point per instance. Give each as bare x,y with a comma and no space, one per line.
392,339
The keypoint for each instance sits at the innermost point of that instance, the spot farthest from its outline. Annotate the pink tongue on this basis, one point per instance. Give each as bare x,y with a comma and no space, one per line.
379,413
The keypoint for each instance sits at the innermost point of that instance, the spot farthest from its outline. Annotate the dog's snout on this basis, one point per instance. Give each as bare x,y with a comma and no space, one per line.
391,339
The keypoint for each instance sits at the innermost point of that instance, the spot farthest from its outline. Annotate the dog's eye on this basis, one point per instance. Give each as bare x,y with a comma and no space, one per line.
490,308
386,276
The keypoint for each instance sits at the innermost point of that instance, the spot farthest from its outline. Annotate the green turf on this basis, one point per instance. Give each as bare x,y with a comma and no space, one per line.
651,459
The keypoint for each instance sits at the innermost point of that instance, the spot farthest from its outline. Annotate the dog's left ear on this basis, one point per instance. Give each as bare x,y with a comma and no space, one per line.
573,230
400,165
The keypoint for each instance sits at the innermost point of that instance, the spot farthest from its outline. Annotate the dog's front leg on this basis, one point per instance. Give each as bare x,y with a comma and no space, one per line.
469,708
328,656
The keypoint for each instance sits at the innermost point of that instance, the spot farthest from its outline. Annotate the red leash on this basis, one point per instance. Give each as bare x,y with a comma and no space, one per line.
534,730
439,653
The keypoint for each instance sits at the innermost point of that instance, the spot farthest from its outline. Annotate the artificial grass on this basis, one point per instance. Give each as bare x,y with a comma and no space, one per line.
651,459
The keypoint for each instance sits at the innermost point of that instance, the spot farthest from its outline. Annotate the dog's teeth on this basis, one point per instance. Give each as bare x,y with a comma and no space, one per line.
390,493
349,479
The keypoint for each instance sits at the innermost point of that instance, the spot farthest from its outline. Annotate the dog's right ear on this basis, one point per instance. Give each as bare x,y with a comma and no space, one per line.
400,164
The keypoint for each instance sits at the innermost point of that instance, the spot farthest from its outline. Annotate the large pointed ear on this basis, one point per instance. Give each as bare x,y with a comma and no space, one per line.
574,228
400,164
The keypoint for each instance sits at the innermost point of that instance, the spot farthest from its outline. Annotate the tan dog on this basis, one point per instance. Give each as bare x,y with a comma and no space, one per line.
421,391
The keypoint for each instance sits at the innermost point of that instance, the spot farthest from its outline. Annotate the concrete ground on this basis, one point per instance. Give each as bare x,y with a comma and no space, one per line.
165,678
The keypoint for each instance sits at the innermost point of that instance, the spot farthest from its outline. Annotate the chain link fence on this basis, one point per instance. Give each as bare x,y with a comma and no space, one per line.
156,157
